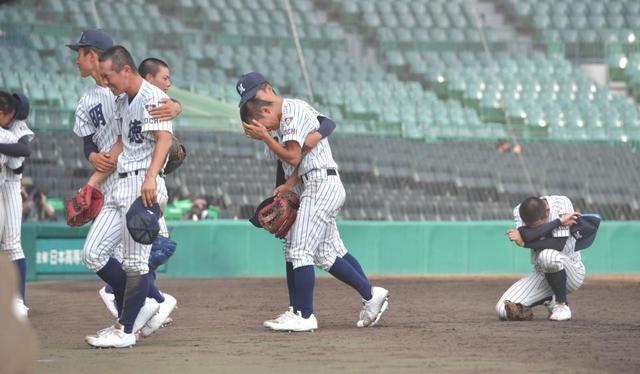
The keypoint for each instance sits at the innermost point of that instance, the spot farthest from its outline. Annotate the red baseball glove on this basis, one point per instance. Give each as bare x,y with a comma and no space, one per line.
278,216
84,206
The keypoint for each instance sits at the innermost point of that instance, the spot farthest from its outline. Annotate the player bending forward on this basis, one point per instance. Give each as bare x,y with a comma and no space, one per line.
550,227
314,238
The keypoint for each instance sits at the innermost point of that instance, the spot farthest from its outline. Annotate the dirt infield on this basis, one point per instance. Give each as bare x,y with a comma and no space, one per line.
435,325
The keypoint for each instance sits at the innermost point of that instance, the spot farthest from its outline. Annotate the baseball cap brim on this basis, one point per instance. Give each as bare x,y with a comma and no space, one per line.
248,95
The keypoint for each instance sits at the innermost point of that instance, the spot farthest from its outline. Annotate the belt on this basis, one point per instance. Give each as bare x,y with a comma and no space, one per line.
132,173
318,173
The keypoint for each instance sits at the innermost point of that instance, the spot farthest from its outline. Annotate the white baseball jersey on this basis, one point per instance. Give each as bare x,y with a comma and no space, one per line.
10,197
18,129
298,120
314,238
95,116
135,126
534,288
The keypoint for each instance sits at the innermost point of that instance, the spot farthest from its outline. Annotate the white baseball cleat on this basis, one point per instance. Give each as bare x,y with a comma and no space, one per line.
561,312
112,337
296,323
20,310
279,319
109,300
160,318
372,310
104,331
148,310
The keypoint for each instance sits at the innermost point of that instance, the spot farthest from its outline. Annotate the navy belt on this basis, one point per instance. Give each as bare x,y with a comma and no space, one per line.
332,172
130,173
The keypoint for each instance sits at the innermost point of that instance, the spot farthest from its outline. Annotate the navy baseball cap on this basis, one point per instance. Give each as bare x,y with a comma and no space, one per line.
94,38
584,230
142,222
248,85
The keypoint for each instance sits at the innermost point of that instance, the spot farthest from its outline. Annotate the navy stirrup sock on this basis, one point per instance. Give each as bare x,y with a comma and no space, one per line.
113,275
291,286
21,265
304,279
558,283
135,295
154,292
343,270
356,265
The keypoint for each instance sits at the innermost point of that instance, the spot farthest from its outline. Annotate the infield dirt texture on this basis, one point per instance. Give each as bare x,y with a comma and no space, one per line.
433,325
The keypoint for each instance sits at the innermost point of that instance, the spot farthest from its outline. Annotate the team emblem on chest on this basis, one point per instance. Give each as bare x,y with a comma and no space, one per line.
135,131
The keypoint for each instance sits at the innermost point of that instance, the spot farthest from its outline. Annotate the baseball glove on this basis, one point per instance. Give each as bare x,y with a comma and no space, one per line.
517,312
161,249
176,156
278,216
84,206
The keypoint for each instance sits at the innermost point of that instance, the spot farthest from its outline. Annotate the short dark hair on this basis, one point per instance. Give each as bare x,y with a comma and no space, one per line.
119,57
151,66
8,103
87,49
532,209
251,109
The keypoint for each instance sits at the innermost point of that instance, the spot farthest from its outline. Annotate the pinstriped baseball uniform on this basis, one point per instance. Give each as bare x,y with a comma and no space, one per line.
10,192
534,287
314,237
95,116
136,125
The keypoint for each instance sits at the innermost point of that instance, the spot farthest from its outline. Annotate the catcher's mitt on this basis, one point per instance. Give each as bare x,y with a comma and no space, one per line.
278,215
84,206
176,156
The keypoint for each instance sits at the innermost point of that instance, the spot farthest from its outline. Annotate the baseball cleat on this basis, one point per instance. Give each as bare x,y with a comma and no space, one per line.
561,312
158,319
279,319
112,337
103,332
109,300
148,310
296,323
372,309
20,310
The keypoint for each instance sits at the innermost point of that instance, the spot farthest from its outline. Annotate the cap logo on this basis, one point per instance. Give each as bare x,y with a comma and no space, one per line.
577,235
83,37
241,89
150,212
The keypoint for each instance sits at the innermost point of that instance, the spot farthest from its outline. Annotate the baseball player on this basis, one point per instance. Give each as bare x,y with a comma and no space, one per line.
265,91
557,266
313,239
16,145
144,152
96,124
145,144
156,72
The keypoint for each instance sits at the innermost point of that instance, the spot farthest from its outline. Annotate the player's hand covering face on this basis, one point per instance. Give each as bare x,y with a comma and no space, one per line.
255,130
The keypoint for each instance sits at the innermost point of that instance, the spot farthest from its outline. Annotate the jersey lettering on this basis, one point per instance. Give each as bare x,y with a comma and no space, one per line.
97,117
135,132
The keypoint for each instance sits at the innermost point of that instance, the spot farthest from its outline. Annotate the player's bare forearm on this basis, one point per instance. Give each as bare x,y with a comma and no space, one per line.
288,185
116,149
289,153
97,178
311,141
160,151
166,111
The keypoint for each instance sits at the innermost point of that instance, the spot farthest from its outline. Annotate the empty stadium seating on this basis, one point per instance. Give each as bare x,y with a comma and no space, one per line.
408,79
